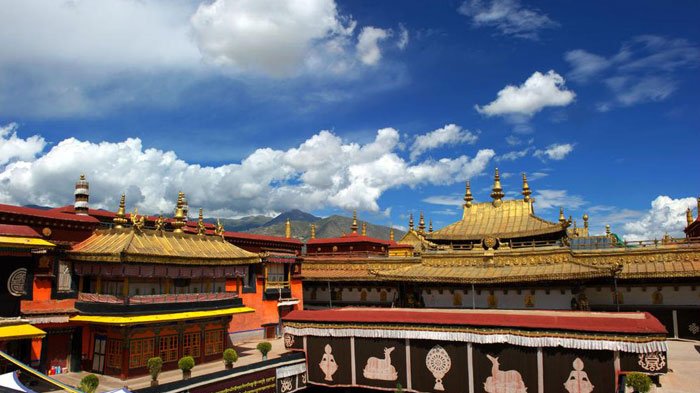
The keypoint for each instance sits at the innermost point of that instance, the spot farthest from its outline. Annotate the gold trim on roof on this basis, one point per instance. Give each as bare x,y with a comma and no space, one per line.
151,246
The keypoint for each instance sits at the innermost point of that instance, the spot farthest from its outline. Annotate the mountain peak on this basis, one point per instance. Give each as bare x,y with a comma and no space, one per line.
292,215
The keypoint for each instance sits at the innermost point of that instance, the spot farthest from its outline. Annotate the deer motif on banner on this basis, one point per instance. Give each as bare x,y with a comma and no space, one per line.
381,369
500,381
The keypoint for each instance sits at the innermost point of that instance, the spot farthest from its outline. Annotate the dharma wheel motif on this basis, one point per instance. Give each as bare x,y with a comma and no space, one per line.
438,362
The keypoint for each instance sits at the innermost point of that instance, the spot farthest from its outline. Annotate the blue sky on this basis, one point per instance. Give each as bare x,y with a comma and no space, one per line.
262,106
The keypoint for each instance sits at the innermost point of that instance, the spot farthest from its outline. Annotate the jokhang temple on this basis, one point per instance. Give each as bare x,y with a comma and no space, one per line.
498,293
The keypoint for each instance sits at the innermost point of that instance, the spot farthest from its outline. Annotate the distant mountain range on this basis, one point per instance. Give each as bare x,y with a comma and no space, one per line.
300,221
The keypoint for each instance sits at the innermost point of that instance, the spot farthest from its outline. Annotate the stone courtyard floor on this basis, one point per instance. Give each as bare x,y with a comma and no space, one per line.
683,364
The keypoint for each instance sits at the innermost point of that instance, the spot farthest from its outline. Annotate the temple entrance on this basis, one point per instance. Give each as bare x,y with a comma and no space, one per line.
98,357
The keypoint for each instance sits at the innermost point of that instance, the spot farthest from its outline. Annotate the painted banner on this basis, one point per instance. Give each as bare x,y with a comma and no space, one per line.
576,371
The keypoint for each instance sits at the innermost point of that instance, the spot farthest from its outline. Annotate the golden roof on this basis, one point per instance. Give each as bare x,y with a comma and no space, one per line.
416,240
152,246
507,219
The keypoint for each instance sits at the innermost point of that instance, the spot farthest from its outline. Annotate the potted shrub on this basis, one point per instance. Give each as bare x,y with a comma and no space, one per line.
230,357
264,347
639,382
155,365
186,364
89,383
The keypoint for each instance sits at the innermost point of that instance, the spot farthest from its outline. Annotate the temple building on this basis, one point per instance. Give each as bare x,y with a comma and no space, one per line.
501,255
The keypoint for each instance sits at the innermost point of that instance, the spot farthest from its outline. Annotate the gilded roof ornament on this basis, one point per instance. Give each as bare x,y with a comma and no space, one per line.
137,222
364,229
421,224
353,227
526,189
497,192
179,218
430,226
313,231
219,230
410,221
585,221
562,219
607,230
160,223
468,198
201,229
120,218
391,234
288,229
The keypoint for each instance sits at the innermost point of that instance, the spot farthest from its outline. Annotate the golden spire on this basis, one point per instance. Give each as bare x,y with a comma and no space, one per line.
353,227
497,193
689,216
607,230
468,198
410,221
313,231
201,229
179,218
526,189
421,224
430,226
288,229
562,219
120,218
364,229
391,234
585,220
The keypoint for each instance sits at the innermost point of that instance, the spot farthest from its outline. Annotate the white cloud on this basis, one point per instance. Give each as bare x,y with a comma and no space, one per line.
554,199
508,16
403,38
536,175
451,134
536,93
513,155
268,37
444,200
368,44
14,148
667,215
555,151
323,171
643,70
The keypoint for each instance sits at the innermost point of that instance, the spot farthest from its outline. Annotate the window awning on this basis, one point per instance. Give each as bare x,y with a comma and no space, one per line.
156,318
24,242
20,331
287,302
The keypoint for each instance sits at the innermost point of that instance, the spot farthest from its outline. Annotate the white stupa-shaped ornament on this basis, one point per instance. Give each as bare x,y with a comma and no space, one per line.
82,196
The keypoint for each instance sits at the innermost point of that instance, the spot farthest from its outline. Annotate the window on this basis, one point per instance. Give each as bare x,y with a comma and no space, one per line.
191,344
114,354
65,279
275,272
139,352
213,342
168,348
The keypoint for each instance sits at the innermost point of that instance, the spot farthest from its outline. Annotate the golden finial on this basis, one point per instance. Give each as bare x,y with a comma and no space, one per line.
313,231
607,230
526,189
410,222
137,222
468,198
364,229
353,227
689,216
585,220
179,218
421,224
288,229
430,226
201,229
82,176
497,193
391,234
219,230
562,219
160,223
120,218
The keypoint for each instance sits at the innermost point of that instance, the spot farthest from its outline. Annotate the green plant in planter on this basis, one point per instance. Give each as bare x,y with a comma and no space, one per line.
264,347
639,382
155,365
186,364
89,383
230,357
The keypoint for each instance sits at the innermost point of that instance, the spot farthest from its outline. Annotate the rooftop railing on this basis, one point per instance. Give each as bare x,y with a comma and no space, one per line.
155,299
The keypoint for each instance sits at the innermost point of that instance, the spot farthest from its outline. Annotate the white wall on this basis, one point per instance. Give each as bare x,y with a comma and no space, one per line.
511,299
682,295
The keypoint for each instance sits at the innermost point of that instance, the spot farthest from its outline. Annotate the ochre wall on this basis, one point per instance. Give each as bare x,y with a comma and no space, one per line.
41,288
265,311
